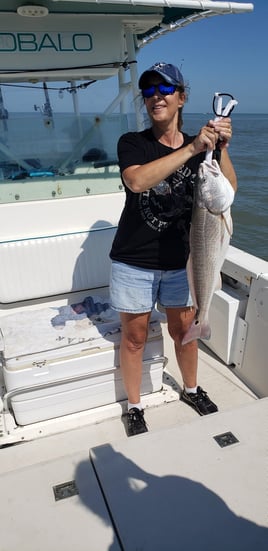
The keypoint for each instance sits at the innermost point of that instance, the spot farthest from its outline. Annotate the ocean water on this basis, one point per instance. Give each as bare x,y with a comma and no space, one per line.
248,151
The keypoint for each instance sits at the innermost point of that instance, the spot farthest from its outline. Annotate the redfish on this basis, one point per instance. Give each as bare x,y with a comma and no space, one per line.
210,233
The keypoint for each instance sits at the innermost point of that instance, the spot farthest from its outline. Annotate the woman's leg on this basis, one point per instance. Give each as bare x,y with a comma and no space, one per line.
179,320
134,336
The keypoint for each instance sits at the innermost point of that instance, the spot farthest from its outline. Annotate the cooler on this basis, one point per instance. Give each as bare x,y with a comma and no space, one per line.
58,361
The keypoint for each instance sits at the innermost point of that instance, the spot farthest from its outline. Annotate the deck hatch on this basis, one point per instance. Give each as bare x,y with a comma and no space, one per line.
64,490
225,439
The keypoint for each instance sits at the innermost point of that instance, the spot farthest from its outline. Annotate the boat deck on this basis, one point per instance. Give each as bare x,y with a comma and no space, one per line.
94,488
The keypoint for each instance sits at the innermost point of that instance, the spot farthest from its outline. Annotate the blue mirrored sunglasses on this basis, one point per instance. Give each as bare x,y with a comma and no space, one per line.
164,89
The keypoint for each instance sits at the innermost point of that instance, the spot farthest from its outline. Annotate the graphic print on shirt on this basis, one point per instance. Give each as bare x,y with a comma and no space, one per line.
170,199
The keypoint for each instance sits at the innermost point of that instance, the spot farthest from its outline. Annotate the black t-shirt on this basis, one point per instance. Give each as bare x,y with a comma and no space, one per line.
153,230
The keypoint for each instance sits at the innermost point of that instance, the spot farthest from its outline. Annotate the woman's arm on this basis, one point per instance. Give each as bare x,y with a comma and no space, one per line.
139,178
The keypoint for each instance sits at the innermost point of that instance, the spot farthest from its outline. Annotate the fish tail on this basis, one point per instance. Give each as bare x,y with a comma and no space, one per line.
197,331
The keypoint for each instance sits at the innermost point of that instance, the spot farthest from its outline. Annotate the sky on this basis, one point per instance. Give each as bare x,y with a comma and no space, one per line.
221,54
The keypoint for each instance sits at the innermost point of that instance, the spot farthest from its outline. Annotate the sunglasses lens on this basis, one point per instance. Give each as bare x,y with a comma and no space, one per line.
148,92
166,89
163,89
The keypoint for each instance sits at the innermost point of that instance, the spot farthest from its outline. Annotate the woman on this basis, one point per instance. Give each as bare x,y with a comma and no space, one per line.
159,167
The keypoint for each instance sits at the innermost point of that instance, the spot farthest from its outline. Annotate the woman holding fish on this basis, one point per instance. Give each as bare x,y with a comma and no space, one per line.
159,168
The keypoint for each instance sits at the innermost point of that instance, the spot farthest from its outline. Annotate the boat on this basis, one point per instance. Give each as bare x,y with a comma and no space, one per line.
70,477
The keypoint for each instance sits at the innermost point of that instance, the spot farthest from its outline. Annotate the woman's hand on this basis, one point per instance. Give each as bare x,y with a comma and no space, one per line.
205,139
223,129
215,132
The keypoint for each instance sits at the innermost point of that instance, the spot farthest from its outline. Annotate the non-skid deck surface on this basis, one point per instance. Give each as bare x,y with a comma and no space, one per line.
178,489
160,491
169,489
32,519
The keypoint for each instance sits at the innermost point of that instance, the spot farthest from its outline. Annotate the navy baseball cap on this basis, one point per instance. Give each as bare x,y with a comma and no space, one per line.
170,73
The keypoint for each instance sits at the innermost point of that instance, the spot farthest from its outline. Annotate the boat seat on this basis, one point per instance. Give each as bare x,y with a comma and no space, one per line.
46,266
59,355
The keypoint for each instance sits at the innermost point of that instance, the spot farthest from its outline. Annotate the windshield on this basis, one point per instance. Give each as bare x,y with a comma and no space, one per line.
47,152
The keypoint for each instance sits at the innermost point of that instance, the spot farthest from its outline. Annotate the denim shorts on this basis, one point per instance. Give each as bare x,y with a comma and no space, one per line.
136,290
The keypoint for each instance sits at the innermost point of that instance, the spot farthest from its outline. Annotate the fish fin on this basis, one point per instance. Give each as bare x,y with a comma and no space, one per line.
218,284
189,270
197,331
228,222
